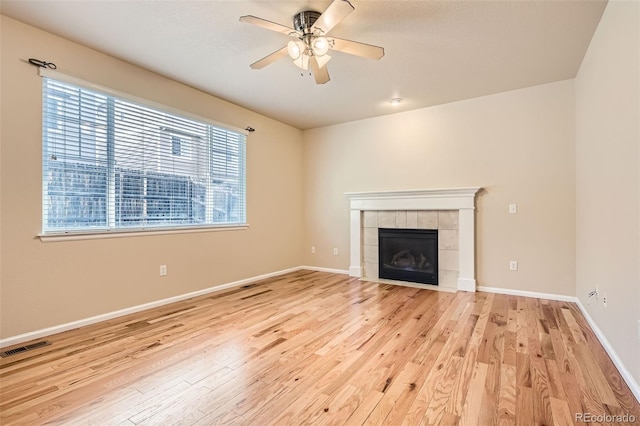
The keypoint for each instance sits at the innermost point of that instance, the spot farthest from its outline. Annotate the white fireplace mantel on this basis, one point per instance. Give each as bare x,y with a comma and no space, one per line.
461,199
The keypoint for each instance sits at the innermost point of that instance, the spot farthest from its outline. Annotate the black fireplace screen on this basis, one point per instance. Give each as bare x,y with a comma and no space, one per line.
408,255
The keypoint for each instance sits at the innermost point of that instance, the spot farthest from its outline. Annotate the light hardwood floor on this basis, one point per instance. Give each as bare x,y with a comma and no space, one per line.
320,348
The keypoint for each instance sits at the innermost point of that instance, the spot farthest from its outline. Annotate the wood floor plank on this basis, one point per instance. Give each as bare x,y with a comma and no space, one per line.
320,348
462,381
524,406
472,405
522,337
561,413
507,396
442,393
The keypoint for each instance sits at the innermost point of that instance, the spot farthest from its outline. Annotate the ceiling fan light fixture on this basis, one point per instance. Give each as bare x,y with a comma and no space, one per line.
295,49
320,46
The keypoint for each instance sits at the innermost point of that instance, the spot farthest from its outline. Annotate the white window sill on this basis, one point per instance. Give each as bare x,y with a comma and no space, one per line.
94,235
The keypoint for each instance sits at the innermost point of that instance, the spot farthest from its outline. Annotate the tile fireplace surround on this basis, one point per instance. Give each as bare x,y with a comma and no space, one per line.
442,201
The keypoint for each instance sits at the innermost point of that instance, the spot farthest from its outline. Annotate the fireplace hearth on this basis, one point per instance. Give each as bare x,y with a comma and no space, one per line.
408,255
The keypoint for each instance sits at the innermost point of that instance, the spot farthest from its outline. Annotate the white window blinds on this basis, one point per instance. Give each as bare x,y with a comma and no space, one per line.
114,164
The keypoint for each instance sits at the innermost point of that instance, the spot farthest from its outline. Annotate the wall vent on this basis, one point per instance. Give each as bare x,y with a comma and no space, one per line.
26,348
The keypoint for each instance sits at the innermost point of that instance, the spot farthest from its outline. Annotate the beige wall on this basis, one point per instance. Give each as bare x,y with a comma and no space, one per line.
608,179
518,146
47,284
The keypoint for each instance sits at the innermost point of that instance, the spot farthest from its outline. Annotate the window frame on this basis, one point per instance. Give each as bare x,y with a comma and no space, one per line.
110,232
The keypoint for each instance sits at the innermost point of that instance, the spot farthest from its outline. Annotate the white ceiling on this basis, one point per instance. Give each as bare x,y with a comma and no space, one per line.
435,51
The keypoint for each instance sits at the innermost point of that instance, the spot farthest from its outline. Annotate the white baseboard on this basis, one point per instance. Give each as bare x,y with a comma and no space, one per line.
510,292
626,374
622,369
320,269
9,341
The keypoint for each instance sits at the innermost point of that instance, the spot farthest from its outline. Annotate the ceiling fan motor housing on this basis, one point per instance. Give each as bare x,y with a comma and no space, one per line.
303,21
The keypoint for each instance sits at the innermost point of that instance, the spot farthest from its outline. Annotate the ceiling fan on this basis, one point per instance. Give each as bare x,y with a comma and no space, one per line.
311,28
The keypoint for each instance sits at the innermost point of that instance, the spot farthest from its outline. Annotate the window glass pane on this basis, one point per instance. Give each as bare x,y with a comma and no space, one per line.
110,163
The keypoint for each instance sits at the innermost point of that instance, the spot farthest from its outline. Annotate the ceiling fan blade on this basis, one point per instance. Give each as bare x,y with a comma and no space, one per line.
336,12
357,48
269,59
254,20
320,74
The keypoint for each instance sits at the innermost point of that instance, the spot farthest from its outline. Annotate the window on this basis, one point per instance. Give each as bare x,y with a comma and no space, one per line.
113,164
175,145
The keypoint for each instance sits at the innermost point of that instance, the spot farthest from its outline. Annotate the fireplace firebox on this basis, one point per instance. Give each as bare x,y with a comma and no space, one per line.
408,255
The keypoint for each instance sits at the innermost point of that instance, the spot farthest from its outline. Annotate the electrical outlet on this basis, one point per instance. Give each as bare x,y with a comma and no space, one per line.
513,265
335,251
313,249
605,299
163,270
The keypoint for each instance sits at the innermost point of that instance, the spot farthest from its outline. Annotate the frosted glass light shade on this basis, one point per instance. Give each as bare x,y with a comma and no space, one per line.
320,46
295,49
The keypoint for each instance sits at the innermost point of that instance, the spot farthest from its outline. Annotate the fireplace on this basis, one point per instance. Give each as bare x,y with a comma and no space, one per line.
454,208
408,255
